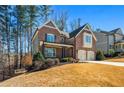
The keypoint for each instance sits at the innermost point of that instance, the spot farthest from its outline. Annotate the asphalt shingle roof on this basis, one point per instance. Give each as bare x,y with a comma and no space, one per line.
112,31
75,32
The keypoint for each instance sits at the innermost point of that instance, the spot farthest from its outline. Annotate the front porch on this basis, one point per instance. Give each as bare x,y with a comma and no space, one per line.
119,46
55,50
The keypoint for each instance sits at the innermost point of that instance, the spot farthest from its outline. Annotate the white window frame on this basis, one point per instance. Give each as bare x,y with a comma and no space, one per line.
86,44
50,35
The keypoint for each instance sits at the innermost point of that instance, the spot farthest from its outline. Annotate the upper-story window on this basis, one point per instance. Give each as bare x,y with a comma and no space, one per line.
87,40
50,37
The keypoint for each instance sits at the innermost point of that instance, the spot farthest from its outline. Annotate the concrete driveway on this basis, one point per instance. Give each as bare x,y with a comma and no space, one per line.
108,63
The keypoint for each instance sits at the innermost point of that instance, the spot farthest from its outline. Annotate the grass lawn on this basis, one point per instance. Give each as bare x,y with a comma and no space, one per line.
115,59
71,75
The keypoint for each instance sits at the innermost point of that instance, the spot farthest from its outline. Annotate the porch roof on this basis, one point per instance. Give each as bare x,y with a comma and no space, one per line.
120,42
56,44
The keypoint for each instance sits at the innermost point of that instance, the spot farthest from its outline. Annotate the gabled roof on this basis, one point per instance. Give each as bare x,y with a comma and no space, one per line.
52,25
69,35
115,31
120,41
77,31
46,24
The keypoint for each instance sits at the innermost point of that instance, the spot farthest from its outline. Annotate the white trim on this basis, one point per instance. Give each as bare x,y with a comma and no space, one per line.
88,30
85,44
46,26
35,34
49,48
49,26
49,34
55,44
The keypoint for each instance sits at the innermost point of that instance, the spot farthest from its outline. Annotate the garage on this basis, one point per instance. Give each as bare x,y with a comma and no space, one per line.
85,55
90,55
81,55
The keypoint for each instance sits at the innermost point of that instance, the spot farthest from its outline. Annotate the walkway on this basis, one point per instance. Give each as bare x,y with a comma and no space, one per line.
108,63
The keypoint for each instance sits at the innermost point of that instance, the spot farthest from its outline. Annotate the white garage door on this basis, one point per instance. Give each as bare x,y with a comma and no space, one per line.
90,55
81,55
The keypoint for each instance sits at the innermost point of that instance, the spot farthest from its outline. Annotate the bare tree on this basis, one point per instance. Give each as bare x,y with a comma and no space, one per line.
75,24
61,20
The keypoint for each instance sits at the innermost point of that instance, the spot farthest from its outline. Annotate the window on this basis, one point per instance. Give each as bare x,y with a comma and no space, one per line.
88,39
50,52
50,37
62,40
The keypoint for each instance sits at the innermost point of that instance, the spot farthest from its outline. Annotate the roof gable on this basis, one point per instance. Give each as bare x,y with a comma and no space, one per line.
76,32
117,31
50,23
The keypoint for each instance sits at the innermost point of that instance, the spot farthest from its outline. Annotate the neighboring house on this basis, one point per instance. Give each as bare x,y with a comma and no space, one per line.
110,40
79,44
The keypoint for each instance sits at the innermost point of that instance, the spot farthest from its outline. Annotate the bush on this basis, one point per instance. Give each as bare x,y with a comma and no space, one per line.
38,65
64,60
67,59
111,52
57,61
38,57
76,60
100,55
50,62
70,59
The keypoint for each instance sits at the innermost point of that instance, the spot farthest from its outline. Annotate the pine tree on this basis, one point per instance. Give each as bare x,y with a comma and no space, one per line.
45,11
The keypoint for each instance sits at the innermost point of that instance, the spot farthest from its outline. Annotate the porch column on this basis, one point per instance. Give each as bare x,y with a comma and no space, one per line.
121,46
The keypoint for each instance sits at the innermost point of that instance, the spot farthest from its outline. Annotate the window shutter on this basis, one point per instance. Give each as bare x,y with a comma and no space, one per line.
45,37
55,38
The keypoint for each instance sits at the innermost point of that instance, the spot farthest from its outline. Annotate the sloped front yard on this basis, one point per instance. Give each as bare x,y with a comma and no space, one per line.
80,74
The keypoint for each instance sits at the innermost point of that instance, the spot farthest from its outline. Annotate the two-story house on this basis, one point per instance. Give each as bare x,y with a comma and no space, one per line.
110,40
79,44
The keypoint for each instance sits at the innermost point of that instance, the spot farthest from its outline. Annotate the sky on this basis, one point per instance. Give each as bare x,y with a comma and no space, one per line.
104,17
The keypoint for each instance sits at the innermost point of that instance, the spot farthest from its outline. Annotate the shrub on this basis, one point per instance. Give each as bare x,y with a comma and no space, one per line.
70,59
38,57
100,55
38,65
67,59
50,62
111,52
76,61
64,60
57,61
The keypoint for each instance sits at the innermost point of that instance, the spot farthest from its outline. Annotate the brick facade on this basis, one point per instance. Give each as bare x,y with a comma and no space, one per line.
67,47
